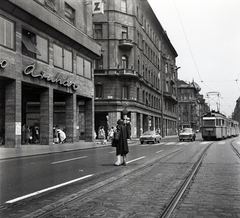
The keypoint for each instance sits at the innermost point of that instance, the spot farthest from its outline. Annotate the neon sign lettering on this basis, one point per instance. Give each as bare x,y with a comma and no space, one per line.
3,64
58,78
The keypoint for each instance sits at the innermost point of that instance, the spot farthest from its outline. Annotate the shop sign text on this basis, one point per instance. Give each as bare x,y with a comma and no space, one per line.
58,78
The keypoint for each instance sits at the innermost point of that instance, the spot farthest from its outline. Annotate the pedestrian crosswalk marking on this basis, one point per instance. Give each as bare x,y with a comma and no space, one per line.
238,142
170,143
181,143
203,143
221,143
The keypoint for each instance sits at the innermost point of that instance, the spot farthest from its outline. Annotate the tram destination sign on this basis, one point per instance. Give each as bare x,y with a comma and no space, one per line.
58,78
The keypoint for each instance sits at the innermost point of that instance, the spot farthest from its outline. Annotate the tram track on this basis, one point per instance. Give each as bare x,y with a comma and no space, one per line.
234,149
167,212
169,208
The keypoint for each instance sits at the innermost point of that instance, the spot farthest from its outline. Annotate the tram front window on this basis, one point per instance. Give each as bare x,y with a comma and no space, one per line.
209,123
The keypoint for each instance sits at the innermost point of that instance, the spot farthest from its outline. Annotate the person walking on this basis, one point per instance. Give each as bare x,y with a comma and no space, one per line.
101,134
120,143
62,136
111,134
27,132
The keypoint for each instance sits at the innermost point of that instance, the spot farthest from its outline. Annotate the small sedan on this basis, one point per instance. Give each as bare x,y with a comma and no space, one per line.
187,134
150,136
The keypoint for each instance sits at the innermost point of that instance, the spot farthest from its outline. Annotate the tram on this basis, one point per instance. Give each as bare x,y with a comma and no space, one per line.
217,126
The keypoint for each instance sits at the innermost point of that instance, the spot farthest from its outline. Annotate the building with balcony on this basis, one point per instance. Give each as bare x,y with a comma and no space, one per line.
191,105
136,74
47,56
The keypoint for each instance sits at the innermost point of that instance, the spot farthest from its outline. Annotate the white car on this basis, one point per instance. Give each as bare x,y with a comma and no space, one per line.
187,134
150,136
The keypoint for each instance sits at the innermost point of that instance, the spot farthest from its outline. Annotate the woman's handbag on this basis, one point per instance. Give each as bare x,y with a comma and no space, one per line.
116,135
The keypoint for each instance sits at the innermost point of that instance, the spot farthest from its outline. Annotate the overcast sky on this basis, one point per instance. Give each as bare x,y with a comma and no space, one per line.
206,36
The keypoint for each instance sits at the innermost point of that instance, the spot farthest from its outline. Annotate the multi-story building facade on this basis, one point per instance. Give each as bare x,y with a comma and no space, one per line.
47,56
136,74
191,105
236,113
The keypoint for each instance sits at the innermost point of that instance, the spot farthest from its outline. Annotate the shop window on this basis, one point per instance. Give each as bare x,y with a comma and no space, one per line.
98,91
69,13
62,58
34,46
124,6
125,92
98,31
84,68
7,33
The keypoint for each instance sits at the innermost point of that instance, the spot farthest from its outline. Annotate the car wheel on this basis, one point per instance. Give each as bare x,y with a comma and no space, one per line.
141,142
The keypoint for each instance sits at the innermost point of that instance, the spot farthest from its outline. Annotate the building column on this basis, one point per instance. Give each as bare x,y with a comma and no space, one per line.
71,118
13,114
46,116
89,120
141,124
113,117
134,125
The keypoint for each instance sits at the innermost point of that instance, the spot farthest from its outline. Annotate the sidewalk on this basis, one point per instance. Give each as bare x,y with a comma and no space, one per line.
37,149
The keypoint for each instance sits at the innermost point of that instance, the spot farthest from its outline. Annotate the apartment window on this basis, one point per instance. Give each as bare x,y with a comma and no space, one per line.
51,4
87,69
69,13
98,91
7,33
138,95
99,62
124,62
166,68
124,6
98,31
62,58
84,68
124,32
34,45
125,92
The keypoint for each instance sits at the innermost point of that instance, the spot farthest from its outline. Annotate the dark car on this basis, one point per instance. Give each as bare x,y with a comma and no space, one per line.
187,134
150,136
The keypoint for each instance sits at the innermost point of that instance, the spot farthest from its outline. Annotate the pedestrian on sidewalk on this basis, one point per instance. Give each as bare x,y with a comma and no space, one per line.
111,134
61,135
101,134
121,143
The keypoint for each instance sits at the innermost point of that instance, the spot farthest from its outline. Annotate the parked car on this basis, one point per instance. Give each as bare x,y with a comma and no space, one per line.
150,136
187,134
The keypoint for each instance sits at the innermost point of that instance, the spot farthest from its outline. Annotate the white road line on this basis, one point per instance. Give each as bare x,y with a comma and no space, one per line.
203,143
47,189
135,159
112,152
181,143
238,142
221,143
63,161
170,143
159,151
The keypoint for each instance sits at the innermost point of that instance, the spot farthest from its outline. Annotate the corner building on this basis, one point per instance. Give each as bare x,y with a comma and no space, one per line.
46,69
136,75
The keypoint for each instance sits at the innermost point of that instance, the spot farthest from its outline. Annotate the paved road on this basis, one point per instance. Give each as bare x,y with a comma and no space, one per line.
141,193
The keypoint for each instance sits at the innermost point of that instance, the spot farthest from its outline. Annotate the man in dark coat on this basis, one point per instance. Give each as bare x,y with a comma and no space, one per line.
121,144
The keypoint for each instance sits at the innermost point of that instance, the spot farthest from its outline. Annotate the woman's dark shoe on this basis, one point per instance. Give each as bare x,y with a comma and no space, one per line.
124,163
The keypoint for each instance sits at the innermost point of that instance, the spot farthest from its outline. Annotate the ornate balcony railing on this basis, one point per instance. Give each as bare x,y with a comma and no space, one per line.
125,44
